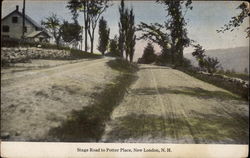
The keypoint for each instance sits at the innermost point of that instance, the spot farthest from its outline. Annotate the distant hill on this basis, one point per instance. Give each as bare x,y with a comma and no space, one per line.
231,58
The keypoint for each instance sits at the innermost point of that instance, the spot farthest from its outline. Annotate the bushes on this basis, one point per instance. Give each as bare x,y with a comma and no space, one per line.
208,64
123,65
113,48
148,55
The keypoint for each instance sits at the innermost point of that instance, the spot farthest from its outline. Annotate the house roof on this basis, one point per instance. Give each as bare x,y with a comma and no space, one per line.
36,33
26,17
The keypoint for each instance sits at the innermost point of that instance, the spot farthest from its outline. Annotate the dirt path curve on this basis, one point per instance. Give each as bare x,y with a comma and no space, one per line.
168,106
34,101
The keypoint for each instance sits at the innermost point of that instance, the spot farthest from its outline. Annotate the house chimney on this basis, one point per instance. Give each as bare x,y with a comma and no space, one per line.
17,7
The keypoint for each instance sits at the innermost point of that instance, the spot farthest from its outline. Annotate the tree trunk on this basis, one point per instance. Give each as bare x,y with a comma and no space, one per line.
86,35
181,56
172,55
86,27
131,58
92,40
126,56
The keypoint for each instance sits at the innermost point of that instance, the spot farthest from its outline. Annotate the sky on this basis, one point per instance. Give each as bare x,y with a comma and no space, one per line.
202,21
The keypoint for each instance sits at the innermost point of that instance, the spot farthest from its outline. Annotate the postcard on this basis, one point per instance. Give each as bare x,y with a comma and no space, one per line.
102,78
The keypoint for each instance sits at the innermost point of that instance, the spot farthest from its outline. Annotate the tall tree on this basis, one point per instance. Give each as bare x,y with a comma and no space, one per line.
130,37
76,6
176,23
121,25
95,10
148,54
103,36
53,25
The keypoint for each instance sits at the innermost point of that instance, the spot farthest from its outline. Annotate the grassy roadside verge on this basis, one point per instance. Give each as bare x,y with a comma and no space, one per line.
88,124
234,74
236,89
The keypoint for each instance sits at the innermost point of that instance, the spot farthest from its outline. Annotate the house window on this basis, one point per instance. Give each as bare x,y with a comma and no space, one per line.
6,28
14,19
37,28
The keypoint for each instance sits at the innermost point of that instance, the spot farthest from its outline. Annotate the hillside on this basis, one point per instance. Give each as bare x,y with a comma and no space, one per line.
231,58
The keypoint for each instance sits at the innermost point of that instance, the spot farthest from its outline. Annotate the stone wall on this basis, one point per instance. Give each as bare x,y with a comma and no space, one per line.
15,55
237,81
235,85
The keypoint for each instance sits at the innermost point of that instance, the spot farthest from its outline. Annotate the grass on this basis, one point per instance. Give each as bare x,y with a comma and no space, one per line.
78,54
88,124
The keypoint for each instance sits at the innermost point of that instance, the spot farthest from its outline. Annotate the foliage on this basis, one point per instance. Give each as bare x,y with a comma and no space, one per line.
156,33
186,63
148,55
95,8
209,64
127,37
176,24
122,65
172,36
92,10
121,25
130,36
199,55
76,6
103,36
113,47
236,21
71,31
53,25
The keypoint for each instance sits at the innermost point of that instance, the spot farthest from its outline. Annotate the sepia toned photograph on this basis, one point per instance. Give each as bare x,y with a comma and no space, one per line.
102,71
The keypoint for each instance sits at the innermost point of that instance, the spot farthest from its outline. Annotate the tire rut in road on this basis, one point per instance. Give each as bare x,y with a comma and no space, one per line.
186,111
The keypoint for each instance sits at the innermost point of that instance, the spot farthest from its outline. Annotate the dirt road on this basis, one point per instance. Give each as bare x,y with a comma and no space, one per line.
36,100
163,106
168,106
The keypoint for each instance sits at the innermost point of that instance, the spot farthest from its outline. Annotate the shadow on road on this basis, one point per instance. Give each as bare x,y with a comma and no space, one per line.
196,92
200,129
88,124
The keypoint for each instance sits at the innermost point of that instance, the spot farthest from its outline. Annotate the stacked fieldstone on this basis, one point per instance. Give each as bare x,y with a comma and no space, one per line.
236,81
15,55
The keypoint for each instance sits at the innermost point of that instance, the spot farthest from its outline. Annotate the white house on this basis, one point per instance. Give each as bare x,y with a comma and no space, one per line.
12,27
